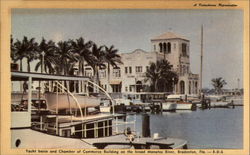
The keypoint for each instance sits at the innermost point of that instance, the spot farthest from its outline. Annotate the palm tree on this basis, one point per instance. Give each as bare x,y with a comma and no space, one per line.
25,49
83,52
168,76
111,58
65,59
47,55
153,74
161,76
218,84
98,63
13,53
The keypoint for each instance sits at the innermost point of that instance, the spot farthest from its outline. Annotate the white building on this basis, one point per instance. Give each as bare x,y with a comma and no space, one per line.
130,76
177,53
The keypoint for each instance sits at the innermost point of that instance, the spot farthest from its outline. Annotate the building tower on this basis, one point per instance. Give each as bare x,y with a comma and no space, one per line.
175,49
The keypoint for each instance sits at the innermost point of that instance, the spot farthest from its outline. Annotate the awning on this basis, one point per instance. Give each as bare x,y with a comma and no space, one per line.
115,82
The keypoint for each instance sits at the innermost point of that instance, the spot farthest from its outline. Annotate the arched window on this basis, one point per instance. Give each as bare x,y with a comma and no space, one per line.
169,47
196,87
164,47
182,87
184,49
160,45
190,87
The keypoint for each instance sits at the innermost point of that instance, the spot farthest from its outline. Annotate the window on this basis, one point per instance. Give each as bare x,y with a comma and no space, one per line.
169,47
138,69
116,88
196,87
160,45
116,73
154,48
130,88
147,67
126,70
189,87
126,88
102,73
130,69
88,72
164,47
184,49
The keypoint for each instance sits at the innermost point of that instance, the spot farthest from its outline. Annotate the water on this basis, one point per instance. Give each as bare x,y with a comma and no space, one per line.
215,128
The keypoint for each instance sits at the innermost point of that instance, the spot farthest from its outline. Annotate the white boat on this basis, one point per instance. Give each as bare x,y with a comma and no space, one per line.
176,97
216,98
105,106
169,106
219,104
66,101
121,101
105,109
180,103
185,106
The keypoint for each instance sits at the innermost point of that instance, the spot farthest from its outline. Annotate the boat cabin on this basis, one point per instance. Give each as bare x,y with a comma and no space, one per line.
61,112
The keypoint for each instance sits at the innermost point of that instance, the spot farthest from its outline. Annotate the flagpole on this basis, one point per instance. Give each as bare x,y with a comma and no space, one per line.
201,59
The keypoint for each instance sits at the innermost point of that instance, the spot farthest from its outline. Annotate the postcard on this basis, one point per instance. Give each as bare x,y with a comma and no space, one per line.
124,77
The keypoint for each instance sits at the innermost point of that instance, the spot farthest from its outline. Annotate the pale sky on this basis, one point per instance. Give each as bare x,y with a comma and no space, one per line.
132,29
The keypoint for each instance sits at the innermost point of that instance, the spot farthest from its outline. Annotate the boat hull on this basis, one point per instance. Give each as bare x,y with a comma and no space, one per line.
185,106
169,106
63,101
29,138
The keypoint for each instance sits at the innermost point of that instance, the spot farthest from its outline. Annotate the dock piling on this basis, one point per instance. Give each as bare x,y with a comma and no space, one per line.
145,125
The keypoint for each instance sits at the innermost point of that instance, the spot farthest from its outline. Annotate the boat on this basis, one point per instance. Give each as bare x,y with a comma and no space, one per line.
181,102
220,104
169,106
44,123
185,106
64,99
217,98
105,106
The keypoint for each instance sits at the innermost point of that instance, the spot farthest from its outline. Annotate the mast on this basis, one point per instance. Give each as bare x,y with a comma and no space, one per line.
238,83
201,59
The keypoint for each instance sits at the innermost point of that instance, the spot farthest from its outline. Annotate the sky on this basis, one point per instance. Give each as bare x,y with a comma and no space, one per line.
132,29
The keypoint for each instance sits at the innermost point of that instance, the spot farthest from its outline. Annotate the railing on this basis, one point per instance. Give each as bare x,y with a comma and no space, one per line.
42,125
107,128
114,127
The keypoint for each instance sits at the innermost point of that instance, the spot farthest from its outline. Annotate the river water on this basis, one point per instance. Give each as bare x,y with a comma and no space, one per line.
216,128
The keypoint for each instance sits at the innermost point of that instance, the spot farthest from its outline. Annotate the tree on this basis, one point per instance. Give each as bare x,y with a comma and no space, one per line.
47,55
111,58
66,58
218,84
83,52
25,49
98,63
161,76
13,50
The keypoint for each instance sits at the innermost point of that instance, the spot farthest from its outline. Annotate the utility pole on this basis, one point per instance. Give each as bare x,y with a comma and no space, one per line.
201,59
